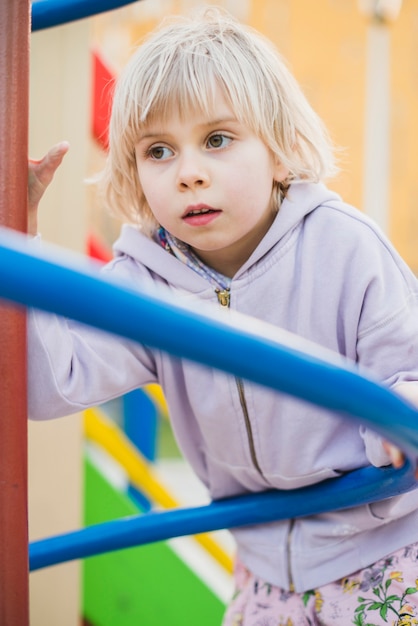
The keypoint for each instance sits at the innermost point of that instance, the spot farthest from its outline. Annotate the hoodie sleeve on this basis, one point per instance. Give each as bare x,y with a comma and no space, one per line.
72,366
375,451
387,342
390,352
373,442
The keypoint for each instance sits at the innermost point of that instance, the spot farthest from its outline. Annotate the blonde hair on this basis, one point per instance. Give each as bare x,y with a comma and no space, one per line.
178,68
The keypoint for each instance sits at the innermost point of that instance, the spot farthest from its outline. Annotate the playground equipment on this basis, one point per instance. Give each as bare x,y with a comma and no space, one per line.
32,278
14,79
47,13
127,587
147,584
104,432
24,275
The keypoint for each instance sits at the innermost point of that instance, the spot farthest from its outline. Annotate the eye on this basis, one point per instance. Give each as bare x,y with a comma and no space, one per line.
218,141
159,153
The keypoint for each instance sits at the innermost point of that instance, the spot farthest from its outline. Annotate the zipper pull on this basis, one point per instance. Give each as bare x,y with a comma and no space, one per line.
223,296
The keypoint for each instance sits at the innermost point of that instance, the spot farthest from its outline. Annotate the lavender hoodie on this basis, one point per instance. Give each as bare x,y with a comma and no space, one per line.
323,271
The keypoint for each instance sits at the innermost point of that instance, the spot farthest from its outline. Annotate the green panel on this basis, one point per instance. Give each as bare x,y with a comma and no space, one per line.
145,586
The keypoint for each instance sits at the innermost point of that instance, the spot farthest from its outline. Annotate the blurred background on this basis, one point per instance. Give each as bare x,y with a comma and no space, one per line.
356,62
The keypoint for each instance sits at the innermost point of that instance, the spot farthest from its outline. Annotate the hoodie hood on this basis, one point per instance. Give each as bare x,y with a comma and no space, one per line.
302,199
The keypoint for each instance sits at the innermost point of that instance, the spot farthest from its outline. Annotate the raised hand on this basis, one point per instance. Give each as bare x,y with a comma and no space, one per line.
41,173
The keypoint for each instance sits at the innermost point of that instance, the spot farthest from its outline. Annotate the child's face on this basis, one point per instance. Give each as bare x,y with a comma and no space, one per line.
208,180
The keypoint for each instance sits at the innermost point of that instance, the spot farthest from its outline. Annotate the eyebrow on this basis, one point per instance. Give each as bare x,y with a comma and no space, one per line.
215,122
220,120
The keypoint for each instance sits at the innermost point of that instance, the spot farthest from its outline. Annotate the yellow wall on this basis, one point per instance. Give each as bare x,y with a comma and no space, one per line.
325,42
404,133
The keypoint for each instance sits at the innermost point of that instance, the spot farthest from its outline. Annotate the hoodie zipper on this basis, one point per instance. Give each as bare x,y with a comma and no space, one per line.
224,297
289,550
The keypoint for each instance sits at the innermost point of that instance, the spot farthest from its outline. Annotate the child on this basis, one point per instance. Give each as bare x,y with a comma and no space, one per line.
216,160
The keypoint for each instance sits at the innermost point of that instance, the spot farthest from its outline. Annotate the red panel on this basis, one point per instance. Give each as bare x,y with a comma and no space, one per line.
103,84
97,249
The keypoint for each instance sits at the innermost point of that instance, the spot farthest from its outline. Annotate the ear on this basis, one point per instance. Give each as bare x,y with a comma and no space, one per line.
280,171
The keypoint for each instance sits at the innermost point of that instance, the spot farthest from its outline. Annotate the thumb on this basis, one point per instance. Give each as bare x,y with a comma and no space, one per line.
45,168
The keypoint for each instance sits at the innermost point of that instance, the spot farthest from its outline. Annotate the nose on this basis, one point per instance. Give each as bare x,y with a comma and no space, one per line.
192,173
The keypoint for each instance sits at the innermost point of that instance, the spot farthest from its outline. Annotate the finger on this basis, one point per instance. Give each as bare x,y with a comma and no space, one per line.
59,150
396,456
45,168
41,174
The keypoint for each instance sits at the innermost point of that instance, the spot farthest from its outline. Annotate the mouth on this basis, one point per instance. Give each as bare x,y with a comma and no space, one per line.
200,215
200,209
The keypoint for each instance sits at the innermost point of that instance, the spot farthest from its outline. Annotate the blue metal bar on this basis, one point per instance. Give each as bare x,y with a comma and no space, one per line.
50,281
48,13
70,285
355,488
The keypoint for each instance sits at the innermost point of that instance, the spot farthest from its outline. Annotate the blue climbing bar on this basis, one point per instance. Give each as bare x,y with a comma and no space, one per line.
48,13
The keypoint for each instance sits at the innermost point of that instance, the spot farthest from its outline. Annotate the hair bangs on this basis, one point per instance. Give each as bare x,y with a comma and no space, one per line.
188,86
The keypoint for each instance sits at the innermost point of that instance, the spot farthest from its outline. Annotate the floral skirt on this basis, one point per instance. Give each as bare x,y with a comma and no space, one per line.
385,593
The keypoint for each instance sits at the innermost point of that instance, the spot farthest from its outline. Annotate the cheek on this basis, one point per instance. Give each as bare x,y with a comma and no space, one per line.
155,203
258,169
143,178
154,179
253,184
150,190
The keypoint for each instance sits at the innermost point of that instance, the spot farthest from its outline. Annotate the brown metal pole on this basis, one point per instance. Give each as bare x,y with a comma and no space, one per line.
14,97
